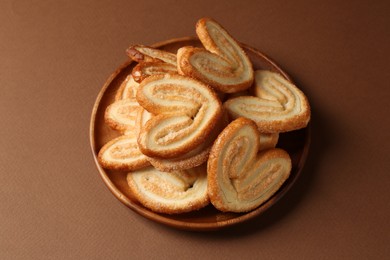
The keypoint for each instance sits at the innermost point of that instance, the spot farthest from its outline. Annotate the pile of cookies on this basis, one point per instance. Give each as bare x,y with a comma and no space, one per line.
201,126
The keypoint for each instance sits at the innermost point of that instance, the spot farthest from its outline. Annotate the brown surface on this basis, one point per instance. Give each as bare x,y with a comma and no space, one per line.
55,56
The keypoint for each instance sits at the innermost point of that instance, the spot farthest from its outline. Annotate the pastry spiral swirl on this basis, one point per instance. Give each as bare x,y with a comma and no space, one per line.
189,160
223,64
170,193
239,177
195,157
146,69
122,154
121,115
185,110
279,106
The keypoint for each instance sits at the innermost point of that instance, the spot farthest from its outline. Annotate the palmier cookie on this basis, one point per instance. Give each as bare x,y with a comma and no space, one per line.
186,111
195,157
189,160
145,69
141,53
128,89
121,115
122,154
143,116
239,177
279,106
170,193
223,64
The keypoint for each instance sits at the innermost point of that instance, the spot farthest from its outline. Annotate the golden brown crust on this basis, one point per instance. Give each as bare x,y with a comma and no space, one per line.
145,69
176,123
239,178
122,154
127,90
187,161
268,141
278,107
170,193
195,157
208,31
223,64
186,110
121,115
142,53
143,116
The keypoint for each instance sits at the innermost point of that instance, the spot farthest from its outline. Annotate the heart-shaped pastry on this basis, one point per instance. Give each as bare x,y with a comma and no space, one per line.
186,111
122,154
279,106
239,177
223,64
170,192
189,160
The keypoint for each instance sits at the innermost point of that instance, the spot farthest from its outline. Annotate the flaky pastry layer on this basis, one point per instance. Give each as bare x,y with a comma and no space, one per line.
170,192
127,90
186,111
145,69
279,106
121,115
122,154
239,177
142,53
223,64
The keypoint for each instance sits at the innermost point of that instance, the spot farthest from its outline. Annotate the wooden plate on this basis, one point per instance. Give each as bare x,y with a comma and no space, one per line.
296,143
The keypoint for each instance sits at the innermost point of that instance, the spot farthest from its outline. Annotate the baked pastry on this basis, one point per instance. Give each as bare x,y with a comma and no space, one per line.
279,106
189,160
239,177
142,53
223,64
128,89
268,141
186,111
121,115
195,157
122,154
170,192
143,116
177,148
144,69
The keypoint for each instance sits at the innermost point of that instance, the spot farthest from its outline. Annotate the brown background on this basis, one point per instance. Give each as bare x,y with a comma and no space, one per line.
56,55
